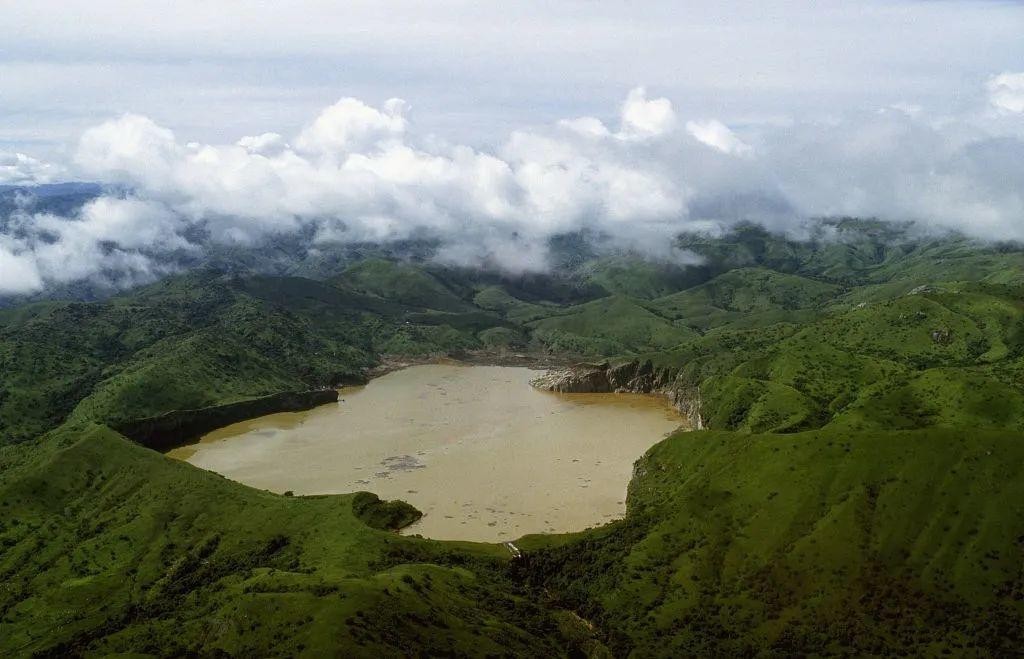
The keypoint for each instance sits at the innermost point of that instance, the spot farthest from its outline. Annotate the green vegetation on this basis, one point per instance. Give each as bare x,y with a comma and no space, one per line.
386,515
857,491
610,326
826,543
112,548
400,283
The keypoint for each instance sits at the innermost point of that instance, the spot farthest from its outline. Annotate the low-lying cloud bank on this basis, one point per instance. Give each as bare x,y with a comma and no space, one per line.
21,169
360,173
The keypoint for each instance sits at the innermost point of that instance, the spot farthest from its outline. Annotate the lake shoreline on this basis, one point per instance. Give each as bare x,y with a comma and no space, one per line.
537,361
178,428
172,430
485,456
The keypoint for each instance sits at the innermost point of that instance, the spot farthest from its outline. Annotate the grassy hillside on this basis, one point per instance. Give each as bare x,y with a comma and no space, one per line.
610,326
400,283
856,492
636,277
111,548
813,543
746,296
223,338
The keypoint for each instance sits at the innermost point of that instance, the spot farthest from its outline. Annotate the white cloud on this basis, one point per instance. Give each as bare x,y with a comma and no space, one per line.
717,135
356,167
642,118
1006,92
112,241
588,126
131,148
351,125
895,167
20,169
19,272
129,223
263,144
358,172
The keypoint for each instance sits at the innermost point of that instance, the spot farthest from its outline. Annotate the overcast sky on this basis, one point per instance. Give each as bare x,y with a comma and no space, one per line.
495,126
472,71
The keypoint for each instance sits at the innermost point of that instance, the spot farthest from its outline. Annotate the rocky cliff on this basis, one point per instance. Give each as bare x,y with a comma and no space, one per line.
179,427
636,376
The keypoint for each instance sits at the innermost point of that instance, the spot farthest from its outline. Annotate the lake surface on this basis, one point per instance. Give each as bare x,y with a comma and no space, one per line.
483,454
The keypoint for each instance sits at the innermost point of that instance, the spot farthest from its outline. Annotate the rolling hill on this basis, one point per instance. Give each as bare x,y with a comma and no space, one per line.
855,491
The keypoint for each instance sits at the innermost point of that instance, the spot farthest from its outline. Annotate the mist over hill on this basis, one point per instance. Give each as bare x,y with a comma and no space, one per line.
572,257
860,403
358,175
800,224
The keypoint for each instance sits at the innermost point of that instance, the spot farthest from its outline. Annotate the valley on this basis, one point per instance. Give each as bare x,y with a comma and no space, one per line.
851,485
544,330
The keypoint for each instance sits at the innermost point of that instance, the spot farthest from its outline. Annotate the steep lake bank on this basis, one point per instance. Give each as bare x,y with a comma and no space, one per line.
483,454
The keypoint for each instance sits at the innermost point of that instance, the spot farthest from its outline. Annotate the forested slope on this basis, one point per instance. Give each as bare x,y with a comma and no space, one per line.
856,491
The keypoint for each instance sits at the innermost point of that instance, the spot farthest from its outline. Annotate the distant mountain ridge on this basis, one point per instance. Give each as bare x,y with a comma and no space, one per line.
839,250
853,492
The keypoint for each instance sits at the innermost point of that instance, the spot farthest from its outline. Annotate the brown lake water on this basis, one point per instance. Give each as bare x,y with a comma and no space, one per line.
483,454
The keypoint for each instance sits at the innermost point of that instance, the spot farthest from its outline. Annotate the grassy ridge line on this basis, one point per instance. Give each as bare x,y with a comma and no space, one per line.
948,356
817,542
733,544
109,547
736,543
229,338
220,339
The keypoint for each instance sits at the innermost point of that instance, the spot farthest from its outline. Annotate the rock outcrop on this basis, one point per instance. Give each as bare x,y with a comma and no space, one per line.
579,379
636,376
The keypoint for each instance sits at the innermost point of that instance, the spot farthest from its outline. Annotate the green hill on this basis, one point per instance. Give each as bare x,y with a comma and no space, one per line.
856,491
400,283
609,326
638,278
745,295
823,543
111,548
